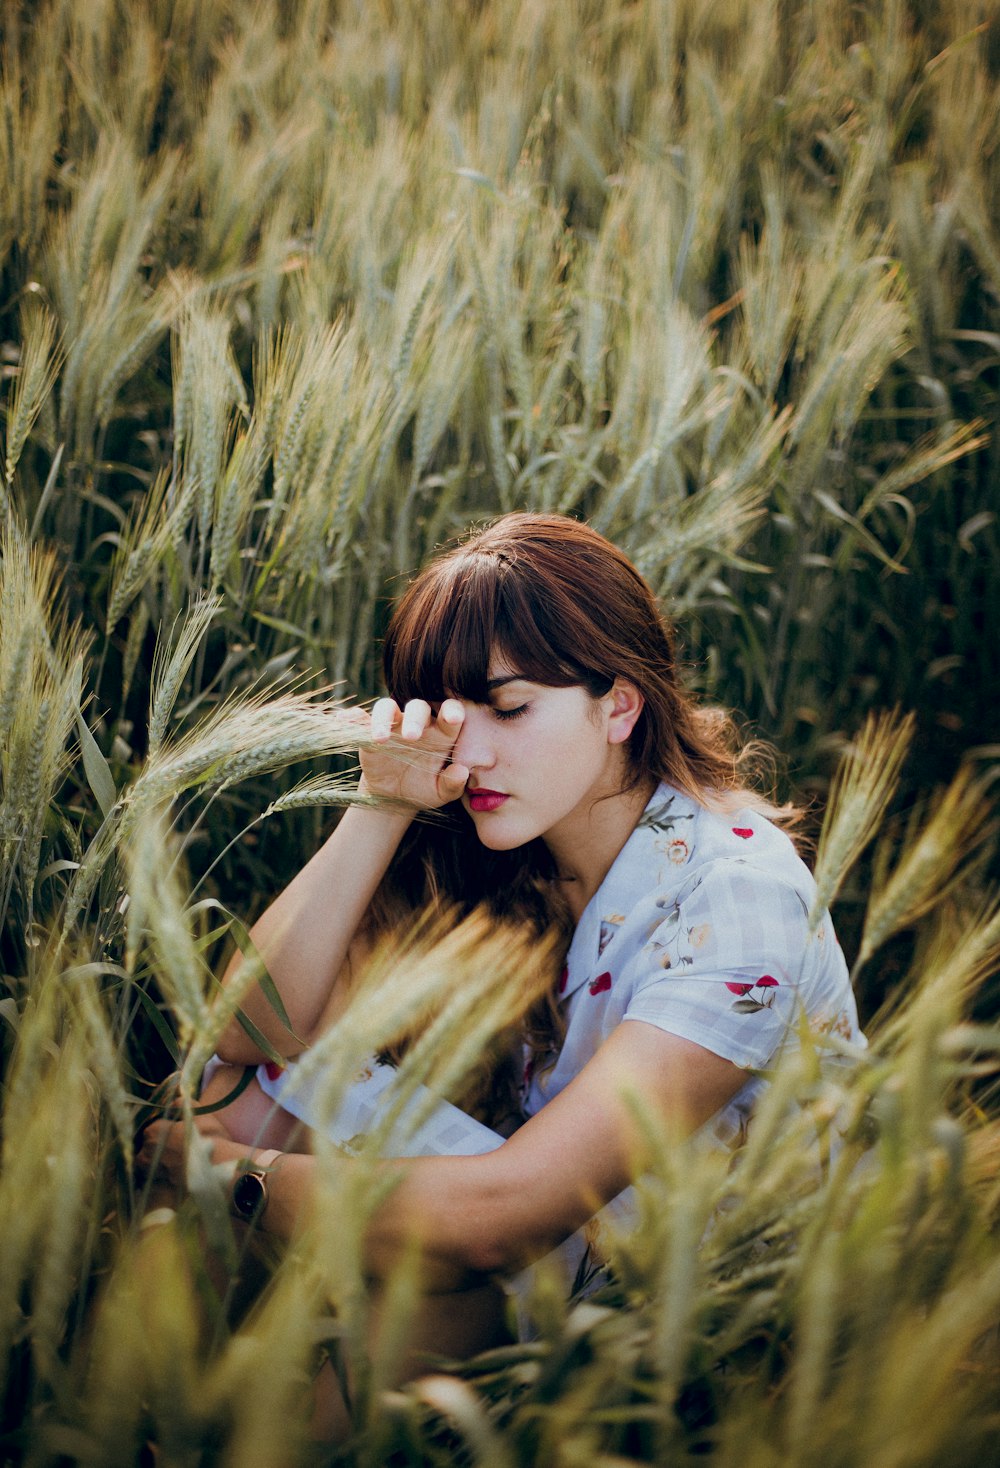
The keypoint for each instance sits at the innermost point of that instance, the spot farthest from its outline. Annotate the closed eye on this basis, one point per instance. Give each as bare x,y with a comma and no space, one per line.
516,713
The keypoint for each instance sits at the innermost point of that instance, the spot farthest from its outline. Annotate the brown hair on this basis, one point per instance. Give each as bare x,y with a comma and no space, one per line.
563,606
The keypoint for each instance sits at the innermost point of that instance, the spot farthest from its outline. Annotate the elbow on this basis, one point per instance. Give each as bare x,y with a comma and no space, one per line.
477,1217
505,1245
493,1255
229,1056
514,1219
488,1254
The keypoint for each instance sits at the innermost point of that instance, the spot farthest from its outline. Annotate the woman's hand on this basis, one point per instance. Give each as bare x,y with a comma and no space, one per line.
162,1152
422,774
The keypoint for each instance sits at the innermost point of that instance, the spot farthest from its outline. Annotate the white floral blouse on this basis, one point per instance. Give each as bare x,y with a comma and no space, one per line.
701,928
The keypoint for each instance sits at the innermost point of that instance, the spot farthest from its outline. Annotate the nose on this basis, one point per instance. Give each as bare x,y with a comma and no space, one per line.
474,748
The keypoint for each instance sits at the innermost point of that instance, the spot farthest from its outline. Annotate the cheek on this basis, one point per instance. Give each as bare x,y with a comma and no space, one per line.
576,751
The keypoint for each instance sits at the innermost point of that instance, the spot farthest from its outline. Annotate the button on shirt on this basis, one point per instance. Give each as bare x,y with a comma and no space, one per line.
701,927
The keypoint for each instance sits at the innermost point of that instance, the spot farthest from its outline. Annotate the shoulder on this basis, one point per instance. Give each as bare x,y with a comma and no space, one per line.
679,842
747,837
730,913
689,869
729,889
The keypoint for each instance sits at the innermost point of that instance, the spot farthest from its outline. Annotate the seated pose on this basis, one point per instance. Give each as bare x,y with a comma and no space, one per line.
534,701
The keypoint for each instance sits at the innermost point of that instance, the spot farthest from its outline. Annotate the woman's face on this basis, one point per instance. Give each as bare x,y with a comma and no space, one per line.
538,758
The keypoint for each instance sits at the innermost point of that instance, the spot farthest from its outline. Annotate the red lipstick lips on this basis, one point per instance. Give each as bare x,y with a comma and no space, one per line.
485,799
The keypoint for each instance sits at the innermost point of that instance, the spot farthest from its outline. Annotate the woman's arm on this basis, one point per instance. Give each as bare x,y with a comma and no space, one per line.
305,936
479,1215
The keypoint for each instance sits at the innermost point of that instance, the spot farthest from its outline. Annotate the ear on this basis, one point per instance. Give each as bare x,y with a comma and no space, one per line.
624,703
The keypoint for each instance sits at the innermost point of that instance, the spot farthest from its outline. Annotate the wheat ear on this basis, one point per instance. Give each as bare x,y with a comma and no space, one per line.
861,791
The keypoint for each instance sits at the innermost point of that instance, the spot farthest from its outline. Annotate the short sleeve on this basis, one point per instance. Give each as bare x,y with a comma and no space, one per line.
725,966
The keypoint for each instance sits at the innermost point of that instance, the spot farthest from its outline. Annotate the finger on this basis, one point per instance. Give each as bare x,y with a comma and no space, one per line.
452,781
147,1137
385,712
416,717
451,717
144,1155
149,1142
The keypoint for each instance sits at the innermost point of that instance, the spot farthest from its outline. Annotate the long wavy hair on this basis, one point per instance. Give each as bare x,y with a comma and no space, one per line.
563,606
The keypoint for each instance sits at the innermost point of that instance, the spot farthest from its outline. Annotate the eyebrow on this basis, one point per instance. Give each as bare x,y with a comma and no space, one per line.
508,678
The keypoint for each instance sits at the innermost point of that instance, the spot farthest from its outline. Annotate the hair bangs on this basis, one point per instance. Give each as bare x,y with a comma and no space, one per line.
454,623
526,635
440,637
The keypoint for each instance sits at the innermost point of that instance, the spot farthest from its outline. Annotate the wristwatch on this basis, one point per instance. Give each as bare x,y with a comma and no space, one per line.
248,1197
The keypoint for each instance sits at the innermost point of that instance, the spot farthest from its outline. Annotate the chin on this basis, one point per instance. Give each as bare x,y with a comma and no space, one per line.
500,840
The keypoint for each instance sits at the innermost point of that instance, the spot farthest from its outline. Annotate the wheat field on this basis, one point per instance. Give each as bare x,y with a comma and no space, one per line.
291,294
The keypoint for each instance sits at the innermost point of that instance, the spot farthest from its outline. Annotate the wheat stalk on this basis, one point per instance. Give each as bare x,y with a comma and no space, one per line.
171,667
103,1053
211,398
258,733
38,368
143,546
156,913
859,796
960,953
236,502
931,864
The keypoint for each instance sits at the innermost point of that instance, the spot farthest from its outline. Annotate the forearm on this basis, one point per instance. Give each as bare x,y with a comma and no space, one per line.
421,1205
304,936
471,1217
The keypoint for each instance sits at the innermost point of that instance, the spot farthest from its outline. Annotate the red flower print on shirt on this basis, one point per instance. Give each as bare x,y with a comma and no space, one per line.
602,982
748,1002
273,1070
743,831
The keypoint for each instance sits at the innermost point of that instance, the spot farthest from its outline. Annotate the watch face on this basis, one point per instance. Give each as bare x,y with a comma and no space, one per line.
249,1195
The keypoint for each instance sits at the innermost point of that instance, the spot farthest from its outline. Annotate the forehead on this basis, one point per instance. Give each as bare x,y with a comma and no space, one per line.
500,674
503,670
475,670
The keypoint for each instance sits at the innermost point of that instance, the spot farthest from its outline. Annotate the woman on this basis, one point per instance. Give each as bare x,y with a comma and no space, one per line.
534,698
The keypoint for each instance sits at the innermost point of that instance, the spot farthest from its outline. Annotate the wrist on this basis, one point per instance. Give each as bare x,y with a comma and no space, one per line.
394,808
